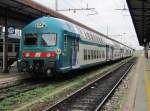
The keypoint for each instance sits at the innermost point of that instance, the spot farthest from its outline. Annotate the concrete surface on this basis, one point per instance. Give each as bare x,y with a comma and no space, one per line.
138,94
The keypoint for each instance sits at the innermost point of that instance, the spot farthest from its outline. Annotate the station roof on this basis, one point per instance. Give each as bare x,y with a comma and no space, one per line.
140,13
27,10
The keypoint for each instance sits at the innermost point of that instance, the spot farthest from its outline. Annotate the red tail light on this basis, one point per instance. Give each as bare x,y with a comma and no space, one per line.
48,55
39,54
28,54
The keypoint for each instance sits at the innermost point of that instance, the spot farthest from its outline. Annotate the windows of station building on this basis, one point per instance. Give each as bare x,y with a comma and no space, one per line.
16,47
10,48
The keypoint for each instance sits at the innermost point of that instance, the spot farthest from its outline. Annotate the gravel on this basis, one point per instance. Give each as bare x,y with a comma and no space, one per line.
115,102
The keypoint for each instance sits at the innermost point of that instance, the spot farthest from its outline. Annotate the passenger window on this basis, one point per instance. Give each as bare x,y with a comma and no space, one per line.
85,54
100,54
88,54
1,64
97,54
103,55
1,47
92,55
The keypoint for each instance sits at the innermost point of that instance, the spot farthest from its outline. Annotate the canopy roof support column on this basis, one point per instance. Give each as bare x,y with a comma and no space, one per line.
146,49
5,44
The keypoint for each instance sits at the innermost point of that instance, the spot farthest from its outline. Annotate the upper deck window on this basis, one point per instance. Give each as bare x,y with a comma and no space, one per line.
30,39
49,39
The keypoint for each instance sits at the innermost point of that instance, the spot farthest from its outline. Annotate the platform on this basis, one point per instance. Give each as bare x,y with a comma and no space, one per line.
12,76
138,94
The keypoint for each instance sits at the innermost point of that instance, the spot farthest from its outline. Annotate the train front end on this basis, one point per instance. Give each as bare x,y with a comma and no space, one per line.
39,47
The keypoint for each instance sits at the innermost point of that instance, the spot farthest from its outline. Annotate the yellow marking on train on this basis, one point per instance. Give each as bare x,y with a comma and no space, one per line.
58,51
147,84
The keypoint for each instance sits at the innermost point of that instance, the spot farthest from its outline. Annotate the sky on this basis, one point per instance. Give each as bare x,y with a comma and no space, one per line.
109,20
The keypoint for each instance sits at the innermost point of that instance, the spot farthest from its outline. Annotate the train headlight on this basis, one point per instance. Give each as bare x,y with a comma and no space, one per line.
27,55
48,55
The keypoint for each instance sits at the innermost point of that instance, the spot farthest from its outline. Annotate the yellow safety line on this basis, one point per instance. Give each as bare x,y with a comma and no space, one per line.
147,84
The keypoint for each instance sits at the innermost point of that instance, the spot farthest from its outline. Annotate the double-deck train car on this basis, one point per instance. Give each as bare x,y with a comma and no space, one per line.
50,45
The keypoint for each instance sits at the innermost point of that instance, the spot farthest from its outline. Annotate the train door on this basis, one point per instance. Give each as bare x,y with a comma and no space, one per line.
75,49
112,53
107,53
67,51
71,47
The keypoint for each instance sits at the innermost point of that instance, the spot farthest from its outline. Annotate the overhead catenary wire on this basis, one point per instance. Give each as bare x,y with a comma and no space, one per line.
75,4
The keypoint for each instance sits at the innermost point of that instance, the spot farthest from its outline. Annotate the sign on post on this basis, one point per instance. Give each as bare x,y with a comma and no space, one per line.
11,30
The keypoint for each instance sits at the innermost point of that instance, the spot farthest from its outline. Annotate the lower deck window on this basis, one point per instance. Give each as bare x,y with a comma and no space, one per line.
1,47
92,54
1,63
103,54
85,54
89,54
97,54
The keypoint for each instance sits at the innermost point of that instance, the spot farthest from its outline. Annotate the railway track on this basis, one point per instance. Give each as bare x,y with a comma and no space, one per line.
13,80
19,88
93,96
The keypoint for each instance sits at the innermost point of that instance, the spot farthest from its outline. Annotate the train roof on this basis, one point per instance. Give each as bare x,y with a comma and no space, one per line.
60,24
109,40
50,22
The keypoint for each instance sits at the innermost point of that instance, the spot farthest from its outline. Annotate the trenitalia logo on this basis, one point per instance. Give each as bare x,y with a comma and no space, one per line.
40,25
39,54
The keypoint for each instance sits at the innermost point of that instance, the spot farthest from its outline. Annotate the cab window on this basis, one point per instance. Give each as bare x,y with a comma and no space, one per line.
30,39
49,39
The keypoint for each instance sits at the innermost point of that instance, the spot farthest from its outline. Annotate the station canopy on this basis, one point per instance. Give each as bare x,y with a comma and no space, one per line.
140,13
21,12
